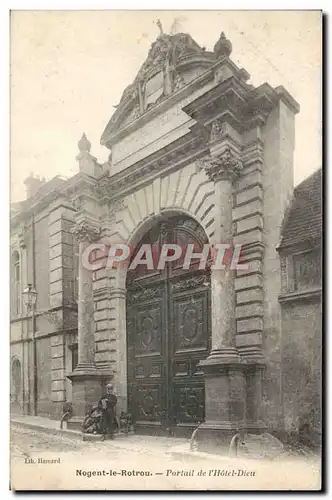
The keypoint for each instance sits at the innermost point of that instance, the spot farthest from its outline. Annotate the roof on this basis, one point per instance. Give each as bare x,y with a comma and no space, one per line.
303,221
22,207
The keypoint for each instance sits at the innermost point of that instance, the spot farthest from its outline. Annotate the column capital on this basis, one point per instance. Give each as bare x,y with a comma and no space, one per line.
226,166
84,231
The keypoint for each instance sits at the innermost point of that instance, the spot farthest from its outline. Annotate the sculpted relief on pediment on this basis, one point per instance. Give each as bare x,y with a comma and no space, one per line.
158,77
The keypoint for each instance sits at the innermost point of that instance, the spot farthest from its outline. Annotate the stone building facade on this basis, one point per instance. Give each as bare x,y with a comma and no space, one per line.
300,253
197,155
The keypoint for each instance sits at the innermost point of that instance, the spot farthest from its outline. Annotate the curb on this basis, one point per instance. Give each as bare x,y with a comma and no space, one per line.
118,443
47,430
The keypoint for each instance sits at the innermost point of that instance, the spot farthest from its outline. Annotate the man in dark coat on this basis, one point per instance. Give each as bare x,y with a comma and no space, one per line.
107,404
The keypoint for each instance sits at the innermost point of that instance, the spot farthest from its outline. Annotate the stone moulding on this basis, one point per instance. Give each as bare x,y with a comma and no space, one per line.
309,295
169,158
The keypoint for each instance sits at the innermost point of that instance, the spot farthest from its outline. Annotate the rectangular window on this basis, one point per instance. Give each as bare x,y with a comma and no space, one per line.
307,270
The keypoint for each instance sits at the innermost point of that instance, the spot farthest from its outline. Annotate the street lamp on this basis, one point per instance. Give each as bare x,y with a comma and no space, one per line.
30,300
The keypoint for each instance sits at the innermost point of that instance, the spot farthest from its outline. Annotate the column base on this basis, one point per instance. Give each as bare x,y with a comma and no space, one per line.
226,355
216,437
88,385
225,400
232,399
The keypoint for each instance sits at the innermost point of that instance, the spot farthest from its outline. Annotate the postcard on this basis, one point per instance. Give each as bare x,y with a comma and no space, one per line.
166,250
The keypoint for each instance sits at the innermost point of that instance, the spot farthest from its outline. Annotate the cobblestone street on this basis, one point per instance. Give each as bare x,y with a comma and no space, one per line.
40,460
25,442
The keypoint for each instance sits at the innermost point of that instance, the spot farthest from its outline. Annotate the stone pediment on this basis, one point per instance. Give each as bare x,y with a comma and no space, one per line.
167,49
165,70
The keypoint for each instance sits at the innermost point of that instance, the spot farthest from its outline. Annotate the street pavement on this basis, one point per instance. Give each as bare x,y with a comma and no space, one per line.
41,460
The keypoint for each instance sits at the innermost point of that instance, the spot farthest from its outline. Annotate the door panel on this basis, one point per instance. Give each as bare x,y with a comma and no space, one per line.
168,334
189,403
145,352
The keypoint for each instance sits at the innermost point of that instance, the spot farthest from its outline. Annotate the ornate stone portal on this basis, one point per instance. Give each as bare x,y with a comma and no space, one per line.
190,137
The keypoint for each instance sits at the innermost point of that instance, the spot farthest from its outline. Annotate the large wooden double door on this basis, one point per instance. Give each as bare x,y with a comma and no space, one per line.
168,333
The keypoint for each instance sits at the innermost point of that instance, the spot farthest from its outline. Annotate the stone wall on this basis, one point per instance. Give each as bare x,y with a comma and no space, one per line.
44,380
301,364
42,262
61,256
278,135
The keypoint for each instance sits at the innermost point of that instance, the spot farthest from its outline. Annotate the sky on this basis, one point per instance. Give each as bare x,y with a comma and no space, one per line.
69,69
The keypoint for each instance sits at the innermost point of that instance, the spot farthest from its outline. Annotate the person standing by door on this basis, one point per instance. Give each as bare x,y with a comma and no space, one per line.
107,405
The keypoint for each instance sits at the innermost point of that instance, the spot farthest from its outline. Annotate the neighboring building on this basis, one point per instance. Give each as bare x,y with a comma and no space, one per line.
198,156
36,258
301,303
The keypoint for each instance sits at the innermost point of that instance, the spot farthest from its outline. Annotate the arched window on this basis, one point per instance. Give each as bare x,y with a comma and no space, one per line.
16,284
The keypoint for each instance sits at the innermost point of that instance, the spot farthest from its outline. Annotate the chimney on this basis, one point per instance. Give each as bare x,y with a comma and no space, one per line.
32,184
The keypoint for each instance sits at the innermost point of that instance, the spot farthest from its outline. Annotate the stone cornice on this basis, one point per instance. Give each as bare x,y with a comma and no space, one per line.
253,152
80,184
300,245
27,211
235,101
172,157
288,99
310,294
77,186
231,89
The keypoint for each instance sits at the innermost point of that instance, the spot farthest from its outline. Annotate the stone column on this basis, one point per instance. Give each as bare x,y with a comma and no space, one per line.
222,171
87,380
86,341
224,378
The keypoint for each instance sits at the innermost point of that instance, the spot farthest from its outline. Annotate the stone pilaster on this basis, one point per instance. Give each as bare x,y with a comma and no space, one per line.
118,298
110,332
61,265
248,228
